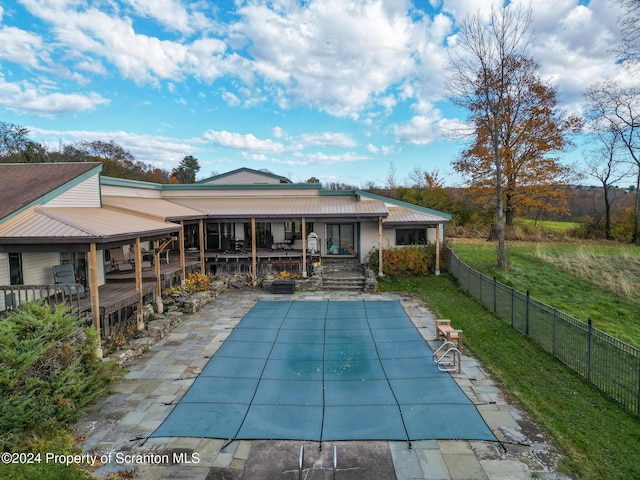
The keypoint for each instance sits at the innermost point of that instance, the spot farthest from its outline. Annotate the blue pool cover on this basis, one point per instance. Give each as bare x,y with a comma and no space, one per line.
325,371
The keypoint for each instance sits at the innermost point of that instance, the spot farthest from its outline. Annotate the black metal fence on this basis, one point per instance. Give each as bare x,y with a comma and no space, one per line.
610,364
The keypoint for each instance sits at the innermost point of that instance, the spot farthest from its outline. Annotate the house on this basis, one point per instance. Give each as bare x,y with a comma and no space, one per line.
241,221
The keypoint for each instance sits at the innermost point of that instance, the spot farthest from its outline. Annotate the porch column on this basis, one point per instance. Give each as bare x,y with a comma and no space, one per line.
182,260
254,260
437,249
138,262
380,269
304,248
203,267
156,265
93,290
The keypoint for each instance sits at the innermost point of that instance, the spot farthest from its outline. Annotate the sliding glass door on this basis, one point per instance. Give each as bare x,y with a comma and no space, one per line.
340,239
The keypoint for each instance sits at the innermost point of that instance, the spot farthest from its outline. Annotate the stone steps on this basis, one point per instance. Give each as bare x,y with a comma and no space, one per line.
343,274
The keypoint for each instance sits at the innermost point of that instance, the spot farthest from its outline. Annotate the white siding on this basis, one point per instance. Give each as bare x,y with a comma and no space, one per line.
37,267
85,194
243,178
368,238
112,190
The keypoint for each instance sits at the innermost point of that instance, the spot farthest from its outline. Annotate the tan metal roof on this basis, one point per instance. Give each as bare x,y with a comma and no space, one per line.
156,207
401,215
81,225
285,206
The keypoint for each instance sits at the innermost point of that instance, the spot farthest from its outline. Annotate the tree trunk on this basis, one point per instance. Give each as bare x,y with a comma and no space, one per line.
607,214
636,209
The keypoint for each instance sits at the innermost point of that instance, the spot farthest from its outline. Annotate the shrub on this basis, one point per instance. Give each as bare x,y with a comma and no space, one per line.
198,282
49,369
404,261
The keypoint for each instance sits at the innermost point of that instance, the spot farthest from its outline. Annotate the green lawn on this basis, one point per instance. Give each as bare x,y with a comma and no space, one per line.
599,440
552,225
561,276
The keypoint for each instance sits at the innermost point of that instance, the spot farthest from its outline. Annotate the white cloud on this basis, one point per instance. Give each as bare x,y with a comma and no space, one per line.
162,152
27,96
240,141
328,139
372,149
304,159
20,46
169,13
332,55
427,127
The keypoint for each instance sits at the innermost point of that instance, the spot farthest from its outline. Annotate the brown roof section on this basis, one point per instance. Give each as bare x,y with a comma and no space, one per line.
24,183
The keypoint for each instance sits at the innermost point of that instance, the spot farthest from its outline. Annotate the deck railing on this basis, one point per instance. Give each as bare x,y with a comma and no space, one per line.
610,364
12,296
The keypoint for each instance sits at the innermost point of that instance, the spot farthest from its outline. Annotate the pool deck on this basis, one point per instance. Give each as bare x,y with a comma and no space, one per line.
119,425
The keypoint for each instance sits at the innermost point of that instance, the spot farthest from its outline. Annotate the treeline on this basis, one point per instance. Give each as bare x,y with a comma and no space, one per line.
16,146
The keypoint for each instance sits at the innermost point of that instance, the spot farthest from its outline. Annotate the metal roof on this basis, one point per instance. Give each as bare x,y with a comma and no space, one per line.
284,206
80,225
156,207
402,216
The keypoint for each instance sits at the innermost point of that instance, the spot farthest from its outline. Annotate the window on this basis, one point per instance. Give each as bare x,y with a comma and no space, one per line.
15,269
411,236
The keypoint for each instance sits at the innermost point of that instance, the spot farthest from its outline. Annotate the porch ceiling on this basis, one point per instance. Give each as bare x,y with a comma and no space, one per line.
80,225
284,207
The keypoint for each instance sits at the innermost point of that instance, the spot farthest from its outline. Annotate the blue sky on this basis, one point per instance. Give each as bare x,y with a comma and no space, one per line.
336,89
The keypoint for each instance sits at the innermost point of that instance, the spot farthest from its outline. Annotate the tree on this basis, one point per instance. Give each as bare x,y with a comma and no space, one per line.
480,80
603,164
534,129
186,171
616,110
628,52
16,146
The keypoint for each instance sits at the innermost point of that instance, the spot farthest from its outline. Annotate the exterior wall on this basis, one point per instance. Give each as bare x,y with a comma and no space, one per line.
112,190
368,238
233,192
243,178
36,267
85,194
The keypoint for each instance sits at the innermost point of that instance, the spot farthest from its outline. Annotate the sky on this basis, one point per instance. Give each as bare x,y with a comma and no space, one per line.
347,91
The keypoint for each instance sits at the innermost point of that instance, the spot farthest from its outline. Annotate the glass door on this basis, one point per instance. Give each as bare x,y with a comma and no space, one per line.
340,239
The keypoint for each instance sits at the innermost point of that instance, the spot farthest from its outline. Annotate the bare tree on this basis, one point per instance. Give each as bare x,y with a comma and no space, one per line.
611,108
479,80
628,52
603,163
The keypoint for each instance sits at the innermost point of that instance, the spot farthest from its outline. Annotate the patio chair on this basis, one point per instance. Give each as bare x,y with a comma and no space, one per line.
64,274
118,261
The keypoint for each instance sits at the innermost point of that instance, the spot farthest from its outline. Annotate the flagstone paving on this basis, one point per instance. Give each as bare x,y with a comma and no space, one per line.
119,426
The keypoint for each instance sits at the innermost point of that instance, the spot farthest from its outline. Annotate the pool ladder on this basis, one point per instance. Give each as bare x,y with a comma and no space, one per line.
447,358
301,461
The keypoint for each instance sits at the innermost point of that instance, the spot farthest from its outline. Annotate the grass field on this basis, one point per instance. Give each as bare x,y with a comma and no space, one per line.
598,439
596,280
552,225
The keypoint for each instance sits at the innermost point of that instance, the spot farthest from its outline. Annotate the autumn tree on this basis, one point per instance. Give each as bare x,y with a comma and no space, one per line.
615,109
481,80
534,130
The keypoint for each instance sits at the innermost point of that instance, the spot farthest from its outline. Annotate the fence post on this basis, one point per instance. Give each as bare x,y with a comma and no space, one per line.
590,348
495,295
526,328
